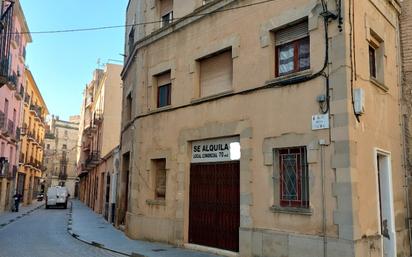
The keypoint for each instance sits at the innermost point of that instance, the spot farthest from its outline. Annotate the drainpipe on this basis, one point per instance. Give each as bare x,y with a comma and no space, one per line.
322,144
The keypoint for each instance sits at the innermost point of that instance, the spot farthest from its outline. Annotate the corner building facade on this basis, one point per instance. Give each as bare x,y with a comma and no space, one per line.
260,129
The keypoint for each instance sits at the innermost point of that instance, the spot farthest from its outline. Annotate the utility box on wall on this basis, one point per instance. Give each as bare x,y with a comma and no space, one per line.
359,100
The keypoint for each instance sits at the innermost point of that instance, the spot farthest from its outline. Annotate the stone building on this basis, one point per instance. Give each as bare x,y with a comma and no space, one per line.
99,138
61,152
264,128
32,133
406,59
12,90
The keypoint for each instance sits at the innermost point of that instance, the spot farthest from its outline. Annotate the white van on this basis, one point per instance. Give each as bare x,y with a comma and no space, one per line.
57,196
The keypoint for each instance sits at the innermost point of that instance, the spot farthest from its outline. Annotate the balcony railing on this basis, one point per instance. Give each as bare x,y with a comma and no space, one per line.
3,122
23,129
93,159
36,109
17,134
19,94
6,27
27,99
13,82
11,174
29,134
98,117
38,165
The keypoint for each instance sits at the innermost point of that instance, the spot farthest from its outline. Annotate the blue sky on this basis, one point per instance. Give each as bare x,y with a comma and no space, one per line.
62,64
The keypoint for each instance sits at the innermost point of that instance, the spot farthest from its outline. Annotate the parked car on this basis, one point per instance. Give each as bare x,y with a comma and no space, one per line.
57,196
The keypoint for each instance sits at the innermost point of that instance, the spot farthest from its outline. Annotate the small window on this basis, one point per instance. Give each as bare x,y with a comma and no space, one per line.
64,147
164,88
293,177
166,12
129,102
131,40
372,62
159,166
376,52
167,19
48,146
292,49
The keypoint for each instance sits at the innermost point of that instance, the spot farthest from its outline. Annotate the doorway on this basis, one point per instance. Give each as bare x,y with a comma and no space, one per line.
124,194
214,205
20,184
385,200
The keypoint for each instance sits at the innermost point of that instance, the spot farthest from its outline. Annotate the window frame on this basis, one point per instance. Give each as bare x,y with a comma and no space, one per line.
129,105
131,40
373,71
296,61
169,95
166,19
302,199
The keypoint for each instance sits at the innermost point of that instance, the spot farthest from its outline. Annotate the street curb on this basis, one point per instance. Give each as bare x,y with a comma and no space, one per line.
20,216
92,243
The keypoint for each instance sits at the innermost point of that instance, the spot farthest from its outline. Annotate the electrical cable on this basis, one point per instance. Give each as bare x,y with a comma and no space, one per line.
141,23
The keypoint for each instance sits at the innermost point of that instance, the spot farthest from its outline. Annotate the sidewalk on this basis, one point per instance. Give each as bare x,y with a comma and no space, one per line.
91,228
8,217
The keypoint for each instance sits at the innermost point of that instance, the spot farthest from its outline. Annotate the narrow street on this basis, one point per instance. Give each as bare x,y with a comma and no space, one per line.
43,233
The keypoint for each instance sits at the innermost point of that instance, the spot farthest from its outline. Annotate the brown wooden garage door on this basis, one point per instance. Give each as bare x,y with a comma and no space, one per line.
214,212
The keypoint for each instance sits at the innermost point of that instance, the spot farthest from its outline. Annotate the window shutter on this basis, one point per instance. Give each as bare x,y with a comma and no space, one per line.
166,6
163,79
292,33
216,74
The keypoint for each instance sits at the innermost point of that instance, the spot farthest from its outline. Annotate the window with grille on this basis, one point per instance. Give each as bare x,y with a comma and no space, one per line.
293,175
292,49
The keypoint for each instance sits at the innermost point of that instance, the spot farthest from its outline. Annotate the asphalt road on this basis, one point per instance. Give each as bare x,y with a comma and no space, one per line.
43,234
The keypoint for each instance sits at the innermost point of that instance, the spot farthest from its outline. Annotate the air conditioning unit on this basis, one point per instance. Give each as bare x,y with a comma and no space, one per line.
359,100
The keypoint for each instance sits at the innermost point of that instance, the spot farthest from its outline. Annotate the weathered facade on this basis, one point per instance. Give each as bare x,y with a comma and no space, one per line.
32,132
61,153
99,137
308,90
406,41
12,90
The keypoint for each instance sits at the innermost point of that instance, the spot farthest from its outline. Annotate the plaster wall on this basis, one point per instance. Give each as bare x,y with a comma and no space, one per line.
268,119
